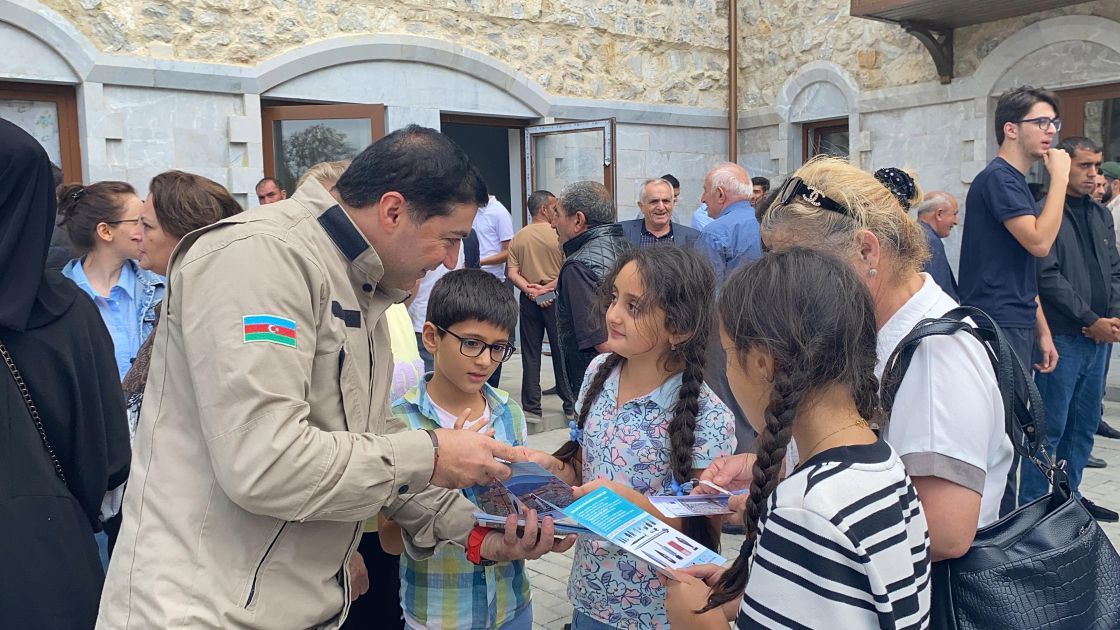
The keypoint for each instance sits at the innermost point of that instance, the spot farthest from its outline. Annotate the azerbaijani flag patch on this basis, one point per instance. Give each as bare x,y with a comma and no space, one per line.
269,328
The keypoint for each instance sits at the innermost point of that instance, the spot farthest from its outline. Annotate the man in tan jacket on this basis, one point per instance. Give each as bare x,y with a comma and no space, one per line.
266,435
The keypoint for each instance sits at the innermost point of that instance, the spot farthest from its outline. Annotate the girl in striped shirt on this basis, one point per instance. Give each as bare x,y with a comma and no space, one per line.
842,541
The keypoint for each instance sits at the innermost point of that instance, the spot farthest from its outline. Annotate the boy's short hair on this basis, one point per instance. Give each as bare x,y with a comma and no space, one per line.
466,294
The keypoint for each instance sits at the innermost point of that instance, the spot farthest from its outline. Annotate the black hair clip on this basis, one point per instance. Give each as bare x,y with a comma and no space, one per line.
77,194
899,183
796,187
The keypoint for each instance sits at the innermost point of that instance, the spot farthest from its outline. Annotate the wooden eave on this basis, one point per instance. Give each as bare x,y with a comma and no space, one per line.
932,22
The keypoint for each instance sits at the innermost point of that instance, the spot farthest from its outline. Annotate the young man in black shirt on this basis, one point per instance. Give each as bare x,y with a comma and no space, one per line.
1079,287
1004,231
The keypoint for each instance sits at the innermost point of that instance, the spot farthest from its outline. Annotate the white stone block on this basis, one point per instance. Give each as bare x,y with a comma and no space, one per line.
243,180
245,129
112,127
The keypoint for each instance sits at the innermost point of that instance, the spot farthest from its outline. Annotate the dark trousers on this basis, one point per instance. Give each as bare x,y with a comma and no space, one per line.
380,607
1022,341
535,321
715,375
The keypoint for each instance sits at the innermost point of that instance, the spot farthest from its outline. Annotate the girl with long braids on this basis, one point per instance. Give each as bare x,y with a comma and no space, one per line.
647,425
842,541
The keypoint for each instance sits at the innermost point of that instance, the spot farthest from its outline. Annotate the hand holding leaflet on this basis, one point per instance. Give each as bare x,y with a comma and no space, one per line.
628,526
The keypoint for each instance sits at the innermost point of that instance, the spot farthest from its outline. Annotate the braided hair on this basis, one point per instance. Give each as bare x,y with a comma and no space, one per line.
766,306
682,285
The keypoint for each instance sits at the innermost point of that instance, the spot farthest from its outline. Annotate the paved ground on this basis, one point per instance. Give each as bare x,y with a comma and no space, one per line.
549,575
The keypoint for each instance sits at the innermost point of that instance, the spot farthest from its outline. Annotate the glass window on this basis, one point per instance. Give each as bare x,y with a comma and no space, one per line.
828,137
298,137
49,114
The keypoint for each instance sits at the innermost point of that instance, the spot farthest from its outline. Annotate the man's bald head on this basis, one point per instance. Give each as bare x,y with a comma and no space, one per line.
724,185
940,211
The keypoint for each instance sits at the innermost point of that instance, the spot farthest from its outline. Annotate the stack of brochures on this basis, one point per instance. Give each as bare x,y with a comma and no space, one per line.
602,513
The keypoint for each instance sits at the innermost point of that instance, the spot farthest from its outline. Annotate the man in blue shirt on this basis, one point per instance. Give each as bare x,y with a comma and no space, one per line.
937,214
1004,231
733,238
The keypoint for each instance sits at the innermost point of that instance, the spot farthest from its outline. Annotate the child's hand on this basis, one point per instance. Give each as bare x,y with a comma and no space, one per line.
710,573
684,595
733,472
477,427
626,492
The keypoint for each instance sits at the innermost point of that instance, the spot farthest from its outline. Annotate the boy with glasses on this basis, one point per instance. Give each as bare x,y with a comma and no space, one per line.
471,318
1005,232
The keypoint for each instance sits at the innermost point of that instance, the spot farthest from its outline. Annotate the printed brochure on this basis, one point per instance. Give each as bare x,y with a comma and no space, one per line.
609,515
692,505
602,513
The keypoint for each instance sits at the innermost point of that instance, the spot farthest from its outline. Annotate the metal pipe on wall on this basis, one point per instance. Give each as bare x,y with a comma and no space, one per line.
732,80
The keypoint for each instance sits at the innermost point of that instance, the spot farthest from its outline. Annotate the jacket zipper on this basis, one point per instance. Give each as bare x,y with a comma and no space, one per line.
260,565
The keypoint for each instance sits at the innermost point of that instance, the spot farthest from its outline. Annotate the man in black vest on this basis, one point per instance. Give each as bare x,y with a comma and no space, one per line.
591,240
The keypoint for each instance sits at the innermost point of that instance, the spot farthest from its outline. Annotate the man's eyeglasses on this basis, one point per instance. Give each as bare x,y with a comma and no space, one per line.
499,352
796,187
119,221
1044,122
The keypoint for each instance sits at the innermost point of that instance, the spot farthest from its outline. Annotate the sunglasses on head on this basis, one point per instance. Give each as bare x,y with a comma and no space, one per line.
796,187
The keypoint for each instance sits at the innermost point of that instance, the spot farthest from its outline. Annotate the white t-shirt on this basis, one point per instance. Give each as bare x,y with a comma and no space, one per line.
494,225
947,420
447,419
418,309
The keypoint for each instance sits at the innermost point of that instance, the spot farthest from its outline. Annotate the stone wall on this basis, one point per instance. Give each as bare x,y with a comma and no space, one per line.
778,38
672,51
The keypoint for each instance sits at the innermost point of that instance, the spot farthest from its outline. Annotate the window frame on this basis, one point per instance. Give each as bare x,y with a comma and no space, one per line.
65,99
271,114
811,132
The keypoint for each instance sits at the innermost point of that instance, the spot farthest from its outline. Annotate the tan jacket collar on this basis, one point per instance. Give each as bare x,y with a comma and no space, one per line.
340,228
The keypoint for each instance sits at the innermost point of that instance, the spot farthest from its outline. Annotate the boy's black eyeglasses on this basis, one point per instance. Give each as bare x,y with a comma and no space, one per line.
1044,122
499,352
796,187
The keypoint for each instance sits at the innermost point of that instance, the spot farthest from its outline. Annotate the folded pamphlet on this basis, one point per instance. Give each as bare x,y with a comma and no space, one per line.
609,515
602,513
692,505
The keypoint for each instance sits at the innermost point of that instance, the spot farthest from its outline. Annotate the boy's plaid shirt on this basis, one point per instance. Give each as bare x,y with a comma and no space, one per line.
447,591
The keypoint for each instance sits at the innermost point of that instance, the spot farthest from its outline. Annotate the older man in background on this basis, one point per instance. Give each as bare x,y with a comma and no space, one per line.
585,223
732,238
656,200
937,214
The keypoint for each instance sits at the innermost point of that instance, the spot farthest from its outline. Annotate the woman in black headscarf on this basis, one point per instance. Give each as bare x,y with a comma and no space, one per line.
61,455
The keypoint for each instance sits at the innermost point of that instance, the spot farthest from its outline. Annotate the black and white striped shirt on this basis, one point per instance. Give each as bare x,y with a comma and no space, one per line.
844,544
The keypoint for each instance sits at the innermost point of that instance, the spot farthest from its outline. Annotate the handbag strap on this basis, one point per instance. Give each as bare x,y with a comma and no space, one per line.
1024,411
32,410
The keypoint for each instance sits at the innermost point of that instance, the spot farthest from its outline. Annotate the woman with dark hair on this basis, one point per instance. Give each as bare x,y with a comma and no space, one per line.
98,220
177,203
63,436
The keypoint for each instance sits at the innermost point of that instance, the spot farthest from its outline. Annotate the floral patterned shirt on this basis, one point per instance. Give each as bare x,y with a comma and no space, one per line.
631,446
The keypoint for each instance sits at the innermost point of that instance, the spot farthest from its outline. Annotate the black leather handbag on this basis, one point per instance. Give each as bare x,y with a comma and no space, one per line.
1045,565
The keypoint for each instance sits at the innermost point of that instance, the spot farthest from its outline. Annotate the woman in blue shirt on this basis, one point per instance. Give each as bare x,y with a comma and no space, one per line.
98,219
